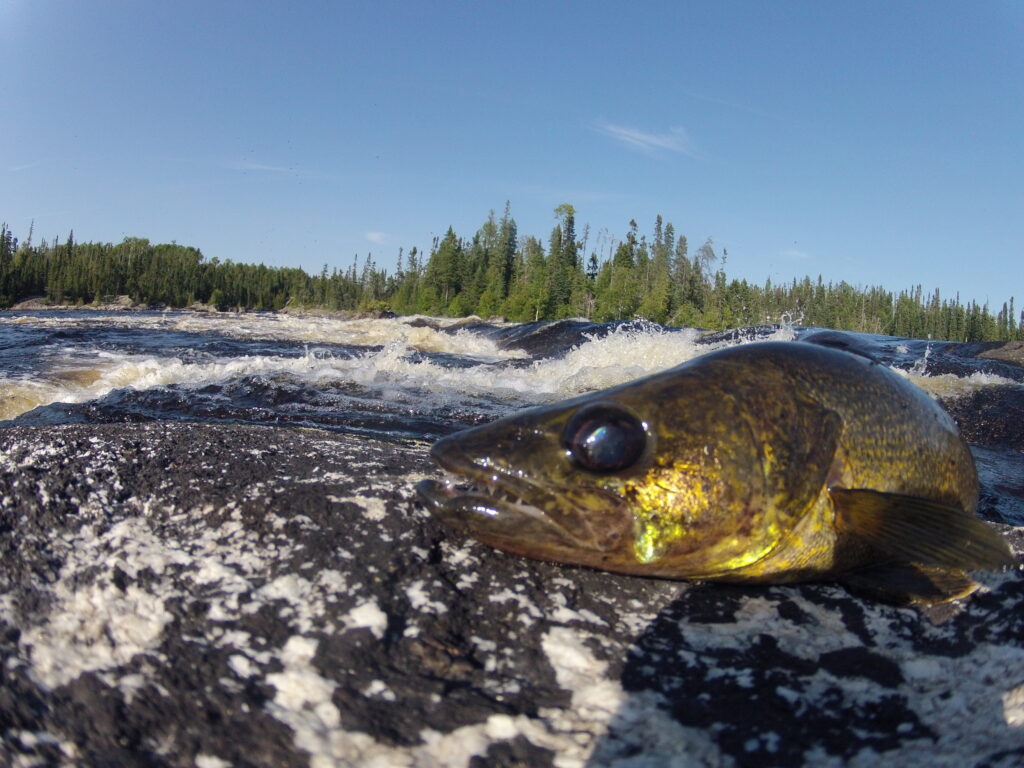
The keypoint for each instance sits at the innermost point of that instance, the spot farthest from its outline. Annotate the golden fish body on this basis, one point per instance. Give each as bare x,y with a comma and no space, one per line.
773,462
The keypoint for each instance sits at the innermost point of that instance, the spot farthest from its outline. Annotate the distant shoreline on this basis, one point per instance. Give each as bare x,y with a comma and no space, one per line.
125,304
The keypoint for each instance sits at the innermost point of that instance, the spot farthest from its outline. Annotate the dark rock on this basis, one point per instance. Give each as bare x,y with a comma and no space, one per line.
182,594
848,342
990,416
517,753
1006,351
763,332
991,419
549,339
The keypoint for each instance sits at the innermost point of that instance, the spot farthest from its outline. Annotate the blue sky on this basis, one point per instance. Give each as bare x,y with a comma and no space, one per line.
872,142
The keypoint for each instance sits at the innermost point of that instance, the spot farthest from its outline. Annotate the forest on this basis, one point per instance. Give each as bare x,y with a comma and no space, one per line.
497,273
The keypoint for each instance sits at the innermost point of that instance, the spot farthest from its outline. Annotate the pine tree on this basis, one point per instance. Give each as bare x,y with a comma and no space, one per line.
657,294
6,260
445,273
653,278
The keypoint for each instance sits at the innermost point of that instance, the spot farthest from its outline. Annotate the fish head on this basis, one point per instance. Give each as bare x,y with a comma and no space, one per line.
672,475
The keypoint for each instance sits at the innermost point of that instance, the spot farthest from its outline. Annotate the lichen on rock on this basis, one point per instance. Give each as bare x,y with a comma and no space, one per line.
163,602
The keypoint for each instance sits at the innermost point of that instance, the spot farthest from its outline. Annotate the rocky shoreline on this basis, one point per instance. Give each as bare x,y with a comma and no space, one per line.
214,595
125,304
109,304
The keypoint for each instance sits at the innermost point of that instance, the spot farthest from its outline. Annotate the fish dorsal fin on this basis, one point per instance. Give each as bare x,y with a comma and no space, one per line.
919,530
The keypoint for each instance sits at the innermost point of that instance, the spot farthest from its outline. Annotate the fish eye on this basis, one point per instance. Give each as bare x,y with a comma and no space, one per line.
604,438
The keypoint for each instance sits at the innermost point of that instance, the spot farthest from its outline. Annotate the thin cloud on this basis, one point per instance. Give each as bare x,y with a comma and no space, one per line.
675,140
246,165
376,237
25,166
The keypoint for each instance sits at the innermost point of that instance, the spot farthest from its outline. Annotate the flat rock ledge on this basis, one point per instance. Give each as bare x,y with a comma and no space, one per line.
181,594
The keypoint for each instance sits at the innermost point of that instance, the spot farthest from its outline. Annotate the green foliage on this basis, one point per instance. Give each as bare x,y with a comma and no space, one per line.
497,273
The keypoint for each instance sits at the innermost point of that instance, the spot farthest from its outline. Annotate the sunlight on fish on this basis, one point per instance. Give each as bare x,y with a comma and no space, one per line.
773,462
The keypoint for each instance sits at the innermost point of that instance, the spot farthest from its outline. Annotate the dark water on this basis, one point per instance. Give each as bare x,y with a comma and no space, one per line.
420,378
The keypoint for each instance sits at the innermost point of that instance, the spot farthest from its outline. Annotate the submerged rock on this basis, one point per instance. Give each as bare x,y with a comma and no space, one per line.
179,594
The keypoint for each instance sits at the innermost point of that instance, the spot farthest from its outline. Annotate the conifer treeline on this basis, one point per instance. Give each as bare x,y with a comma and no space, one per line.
497,272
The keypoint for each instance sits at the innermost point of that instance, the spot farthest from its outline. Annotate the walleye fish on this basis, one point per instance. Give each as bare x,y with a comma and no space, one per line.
773,462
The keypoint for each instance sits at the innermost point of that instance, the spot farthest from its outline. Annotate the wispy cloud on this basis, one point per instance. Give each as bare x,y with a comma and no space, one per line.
248,165
675,140
25,166
375,237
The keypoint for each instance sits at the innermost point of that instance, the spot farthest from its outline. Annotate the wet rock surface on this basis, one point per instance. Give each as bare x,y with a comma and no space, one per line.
993,416
213,595
1007,351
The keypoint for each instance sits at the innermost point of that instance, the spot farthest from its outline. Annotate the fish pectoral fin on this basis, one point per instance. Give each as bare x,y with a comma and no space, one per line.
922,531
908,583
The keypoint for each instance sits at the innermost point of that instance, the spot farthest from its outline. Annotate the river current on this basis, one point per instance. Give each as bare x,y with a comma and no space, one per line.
418,378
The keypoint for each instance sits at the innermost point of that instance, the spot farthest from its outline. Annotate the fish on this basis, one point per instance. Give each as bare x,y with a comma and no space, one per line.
767,463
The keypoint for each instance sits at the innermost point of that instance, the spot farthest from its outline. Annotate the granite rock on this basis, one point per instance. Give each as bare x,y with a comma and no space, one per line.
213,595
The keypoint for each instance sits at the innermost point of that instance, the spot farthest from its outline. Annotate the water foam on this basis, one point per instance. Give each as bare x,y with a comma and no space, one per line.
110,371
626,353
632,352
949,385
427,335
394,371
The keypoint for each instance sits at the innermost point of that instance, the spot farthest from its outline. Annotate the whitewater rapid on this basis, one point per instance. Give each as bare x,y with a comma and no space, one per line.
273,366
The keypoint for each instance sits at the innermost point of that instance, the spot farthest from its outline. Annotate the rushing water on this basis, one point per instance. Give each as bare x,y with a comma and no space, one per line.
397,378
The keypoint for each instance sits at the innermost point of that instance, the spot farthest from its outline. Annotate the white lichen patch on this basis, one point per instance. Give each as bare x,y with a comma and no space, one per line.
103,615
303,697
979,690
304,601
374,508
98,625
575,734
379,689
30,744
268,604
527,612
467,580
563,614
459,556
420,600
367,615
580,733
1013,707
211,761
579,671
242,666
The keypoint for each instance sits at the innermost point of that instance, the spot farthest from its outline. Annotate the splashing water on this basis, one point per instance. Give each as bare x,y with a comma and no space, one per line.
406,376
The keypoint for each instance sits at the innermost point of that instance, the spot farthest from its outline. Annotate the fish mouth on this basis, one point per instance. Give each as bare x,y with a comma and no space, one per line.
489,496
508,510
482,481
491,510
